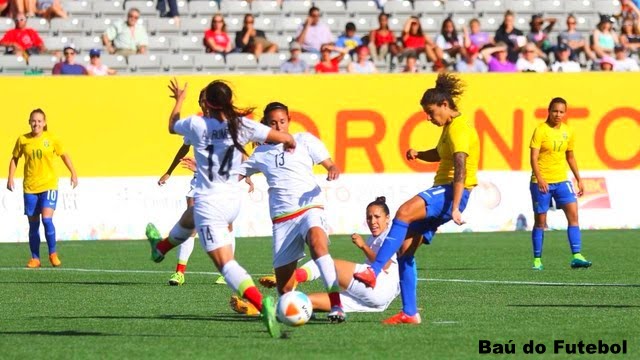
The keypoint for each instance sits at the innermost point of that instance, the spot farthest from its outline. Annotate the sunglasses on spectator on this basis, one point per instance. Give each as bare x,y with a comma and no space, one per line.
69,53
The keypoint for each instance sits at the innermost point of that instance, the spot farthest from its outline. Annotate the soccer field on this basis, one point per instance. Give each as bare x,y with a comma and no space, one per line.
110,301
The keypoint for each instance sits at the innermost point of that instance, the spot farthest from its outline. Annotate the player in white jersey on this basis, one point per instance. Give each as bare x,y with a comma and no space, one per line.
296,205
218,138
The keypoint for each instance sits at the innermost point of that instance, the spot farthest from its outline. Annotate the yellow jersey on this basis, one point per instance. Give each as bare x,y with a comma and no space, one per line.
458,136
39,153
553,143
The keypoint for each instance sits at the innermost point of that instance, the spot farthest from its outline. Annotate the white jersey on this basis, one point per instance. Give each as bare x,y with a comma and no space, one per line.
292,185
375,243
215,155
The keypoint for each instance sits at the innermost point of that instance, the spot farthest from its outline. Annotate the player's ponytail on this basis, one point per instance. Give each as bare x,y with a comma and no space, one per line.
219,100
448,88
44,116
382,202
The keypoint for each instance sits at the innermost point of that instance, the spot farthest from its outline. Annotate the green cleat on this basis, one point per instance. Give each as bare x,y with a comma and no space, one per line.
221,281
268,316
154,237
579,262
537,264
176,279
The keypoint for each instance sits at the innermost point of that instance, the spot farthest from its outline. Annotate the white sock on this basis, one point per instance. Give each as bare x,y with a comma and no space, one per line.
312,270
184,250
179,234
238,279
328,271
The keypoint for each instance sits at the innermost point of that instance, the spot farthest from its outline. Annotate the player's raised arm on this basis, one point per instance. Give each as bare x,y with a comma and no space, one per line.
179,95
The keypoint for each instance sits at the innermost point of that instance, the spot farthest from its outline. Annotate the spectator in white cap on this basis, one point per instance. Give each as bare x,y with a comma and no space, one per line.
68,66
294,65
96,67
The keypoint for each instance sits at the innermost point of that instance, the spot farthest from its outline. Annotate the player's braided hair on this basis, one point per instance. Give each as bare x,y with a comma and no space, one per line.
382,202
219,99
448,87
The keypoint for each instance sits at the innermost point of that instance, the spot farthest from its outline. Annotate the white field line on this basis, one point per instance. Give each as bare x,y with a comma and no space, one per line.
470,281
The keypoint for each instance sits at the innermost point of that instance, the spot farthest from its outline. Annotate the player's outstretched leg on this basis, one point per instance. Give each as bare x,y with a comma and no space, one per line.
242,306
154,237
269,316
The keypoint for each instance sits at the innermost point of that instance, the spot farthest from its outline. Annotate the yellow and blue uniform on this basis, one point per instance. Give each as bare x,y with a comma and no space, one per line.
553,144
40,182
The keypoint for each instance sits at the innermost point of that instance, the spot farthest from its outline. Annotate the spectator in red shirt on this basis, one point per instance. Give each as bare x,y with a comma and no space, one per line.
328,64
216,39
22,40
416,41
382,40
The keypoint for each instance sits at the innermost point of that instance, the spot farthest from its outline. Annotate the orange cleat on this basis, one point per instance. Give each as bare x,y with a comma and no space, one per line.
33,263
54,260
367,277
402,318
268,281
242,306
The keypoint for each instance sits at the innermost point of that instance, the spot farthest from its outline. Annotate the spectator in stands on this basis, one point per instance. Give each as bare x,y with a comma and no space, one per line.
630,35
382,41
216,39
415,41
327,63
50,9
252,40
22,40
474,36
349,40
411,64
126,37
362,65
509,35
470,63
68,66
539,35
563,61
575,40
448,43
623,61
604,38
530,61
24,7
173,12
294,65
96,67
629,9
312,34
607,63
500,62
4,8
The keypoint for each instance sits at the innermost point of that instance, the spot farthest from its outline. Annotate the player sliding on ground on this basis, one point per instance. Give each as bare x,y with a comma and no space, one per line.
218,139
417,220
296,205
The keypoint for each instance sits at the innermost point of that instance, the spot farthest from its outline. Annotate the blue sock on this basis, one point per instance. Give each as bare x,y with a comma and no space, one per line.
49,234
537,236
573,232
408,284
34,239
391,244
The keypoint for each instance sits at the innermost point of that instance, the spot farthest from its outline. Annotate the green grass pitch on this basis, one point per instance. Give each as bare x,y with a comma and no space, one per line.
109,301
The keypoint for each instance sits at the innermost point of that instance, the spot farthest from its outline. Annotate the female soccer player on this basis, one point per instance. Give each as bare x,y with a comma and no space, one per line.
295,204
40,183
417,220
218,139
552,145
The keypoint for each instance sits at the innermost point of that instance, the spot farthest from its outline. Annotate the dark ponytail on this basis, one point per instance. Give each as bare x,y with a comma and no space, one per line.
39,111
219,99
448,87
380,201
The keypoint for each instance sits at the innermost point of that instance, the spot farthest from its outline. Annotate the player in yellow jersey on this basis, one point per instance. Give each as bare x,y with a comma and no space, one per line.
551,151
417,220
40,183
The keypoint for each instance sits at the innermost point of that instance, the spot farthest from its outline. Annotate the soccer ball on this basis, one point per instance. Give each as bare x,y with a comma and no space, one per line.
294,308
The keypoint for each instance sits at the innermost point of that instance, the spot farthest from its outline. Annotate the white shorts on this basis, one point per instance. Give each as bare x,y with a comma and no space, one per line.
192,188
212,215
359,298
289,236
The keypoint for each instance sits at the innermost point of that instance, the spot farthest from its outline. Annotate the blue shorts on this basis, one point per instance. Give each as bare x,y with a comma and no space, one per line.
34,203
438,201
562,193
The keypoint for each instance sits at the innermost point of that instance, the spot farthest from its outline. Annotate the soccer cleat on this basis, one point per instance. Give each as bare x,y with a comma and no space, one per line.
269,316
402,318
33,263
367,277
537,264
242,306
221,281
176,279
336,315
154,237
268,281
55,260
579,261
